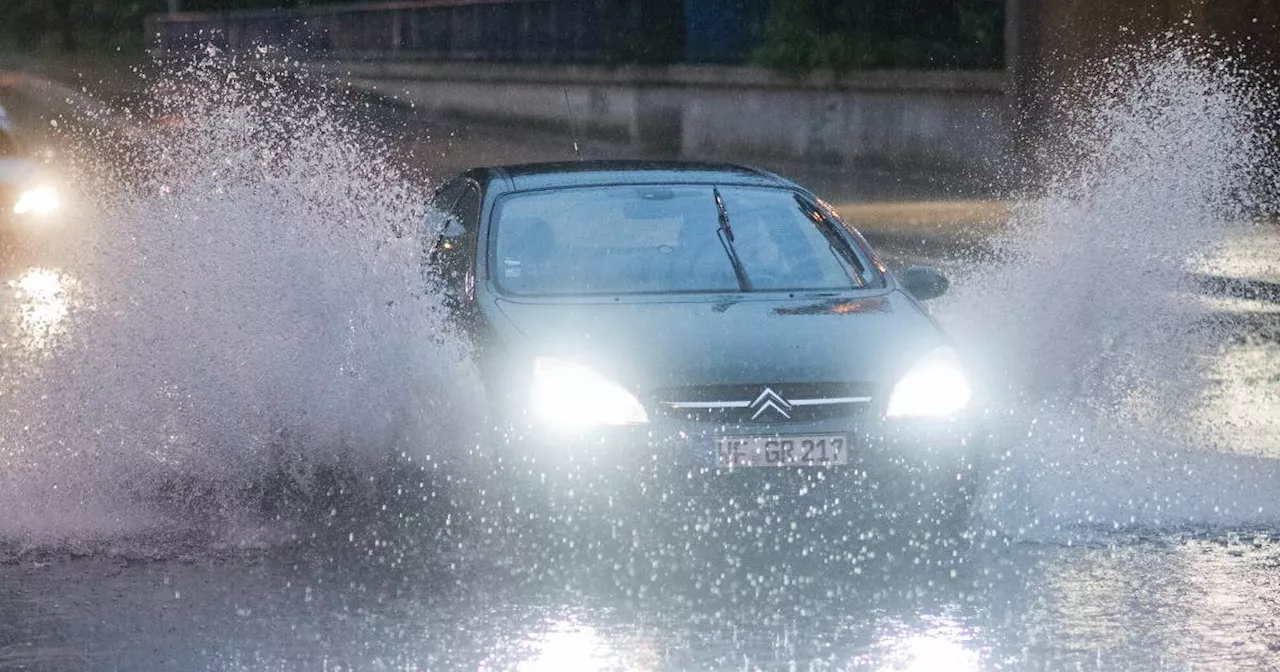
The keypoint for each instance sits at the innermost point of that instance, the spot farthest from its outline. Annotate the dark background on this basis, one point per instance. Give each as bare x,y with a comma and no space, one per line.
786,34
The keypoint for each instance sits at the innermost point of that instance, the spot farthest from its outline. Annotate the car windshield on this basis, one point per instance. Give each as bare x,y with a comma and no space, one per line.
669,239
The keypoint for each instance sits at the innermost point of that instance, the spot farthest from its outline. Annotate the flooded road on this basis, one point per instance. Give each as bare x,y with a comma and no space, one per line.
198,327
1191,587
1194,601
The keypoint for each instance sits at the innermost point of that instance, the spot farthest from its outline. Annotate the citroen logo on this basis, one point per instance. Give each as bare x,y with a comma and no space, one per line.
770,400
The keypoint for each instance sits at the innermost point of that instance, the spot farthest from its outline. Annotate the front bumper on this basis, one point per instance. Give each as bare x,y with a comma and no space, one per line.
670,452
902,476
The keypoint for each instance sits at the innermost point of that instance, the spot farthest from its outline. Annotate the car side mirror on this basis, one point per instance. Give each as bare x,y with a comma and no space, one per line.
924,282
452,228
441,223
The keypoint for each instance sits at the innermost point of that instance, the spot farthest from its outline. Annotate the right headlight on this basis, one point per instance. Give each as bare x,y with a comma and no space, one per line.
935,387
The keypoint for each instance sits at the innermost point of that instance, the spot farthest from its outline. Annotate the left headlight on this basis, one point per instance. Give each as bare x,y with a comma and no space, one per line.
40,201
935,387
571,397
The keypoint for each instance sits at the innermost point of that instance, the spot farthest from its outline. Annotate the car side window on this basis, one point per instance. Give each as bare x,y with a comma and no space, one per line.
455,247
438,215
466,211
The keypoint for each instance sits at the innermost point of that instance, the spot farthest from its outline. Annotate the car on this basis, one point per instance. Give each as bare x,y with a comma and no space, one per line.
27,198
707,335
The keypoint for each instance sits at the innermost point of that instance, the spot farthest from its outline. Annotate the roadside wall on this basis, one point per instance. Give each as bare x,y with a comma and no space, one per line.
947,122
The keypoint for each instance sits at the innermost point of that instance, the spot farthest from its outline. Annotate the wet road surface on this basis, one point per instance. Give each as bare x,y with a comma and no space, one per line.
1171,602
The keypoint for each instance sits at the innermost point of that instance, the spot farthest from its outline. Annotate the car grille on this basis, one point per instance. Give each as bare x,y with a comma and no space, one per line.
764,403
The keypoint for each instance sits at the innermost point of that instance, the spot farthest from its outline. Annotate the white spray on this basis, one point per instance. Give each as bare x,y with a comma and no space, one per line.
1088,326
252,302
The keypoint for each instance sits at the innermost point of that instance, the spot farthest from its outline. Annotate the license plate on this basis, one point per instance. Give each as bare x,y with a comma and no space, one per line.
734,452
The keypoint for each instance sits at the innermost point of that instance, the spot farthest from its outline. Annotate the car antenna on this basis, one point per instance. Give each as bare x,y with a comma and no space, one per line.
573,123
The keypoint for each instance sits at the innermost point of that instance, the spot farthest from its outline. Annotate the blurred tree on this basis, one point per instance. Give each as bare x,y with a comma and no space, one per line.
843,34
25,25
70,25
227,5
644,31
799,34
64,24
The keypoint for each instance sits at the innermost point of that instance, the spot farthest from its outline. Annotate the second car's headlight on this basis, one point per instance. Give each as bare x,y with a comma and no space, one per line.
41,201
935,387
571,397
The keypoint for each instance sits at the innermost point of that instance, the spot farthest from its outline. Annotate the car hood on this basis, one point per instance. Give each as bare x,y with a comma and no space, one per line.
646,345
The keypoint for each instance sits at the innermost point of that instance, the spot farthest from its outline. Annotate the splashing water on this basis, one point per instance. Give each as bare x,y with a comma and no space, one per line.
253,303
1088,319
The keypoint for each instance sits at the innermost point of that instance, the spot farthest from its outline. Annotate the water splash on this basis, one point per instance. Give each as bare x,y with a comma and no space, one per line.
250,302
1089,322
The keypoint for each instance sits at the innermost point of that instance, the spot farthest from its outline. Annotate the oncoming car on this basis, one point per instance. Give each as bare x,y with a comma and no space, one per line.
27,198
712,333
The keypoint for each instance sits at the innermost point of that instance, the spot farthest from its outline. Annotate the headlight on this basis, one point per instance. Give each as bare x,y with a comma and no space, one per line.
935,387
40,201
572,397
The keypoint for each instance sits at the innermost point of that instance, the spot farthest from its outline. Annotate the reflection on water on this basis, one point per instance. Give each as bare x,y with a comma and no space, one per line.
566,644
1241,402
1162,603
1205,605
41,301
900,616
1190,603
940,646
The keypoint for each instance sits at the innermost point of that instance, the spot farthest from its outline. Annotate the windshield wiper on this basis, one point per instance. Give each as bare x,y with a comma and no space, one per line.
836,245
725,233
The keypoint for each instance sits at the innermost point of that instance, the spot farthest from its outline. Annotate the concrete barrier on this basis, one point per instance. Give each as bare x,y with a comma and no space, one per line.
945,122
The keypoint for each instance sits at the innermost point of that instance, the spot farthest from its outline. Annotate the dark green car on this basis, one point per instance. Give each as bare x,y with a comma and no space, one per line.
702,330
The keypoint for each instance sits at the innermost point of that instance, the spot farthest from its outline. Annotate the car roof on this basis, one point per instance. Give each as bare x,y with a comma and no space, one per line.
531,176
